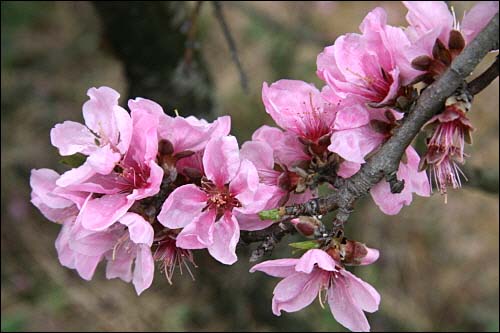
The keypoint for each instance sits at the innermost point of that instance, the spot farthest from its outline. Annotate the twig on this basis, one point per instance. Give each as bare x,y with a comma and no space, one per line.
232,45
191,34
483,80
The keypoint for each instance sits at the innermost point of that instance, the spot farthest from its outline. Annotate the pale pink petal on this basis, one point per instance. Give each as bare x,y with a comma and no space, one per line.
477,18
71,137
182,206
371,257
430,15
290,151
76,176
103,160
141,231
191,133
363,294
388,202
296,291
64,253
344,309
199,233
314,257
259,153
354,144
221,160
352,116
100,213
144,140
43,183
124,127
144,269
99,113
86,266
277,268
348,169
268,134
225,238
120,267
416,180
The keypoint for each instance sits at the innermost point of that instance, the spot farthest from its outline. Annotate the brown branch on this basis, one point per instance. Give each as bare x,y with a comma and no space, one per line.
483,80
385,162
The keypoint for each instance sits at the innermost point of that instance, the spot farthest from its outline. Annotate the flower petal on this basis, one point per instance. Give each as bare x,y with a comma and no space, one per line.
100,213
71,137
141,232
199,233
144,269
182,206
221,160
344,309
363,294
315,256
277,268
296,291
225,238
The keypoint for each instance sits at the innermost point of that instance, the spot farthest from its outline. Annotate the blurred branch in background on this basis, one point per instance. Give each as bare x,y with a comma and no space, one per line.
298,32
219,14
148,39
482,179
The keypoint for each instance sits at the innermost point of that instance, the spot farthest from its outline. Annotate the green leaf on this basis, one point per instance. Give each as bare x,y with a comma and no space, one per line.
74,160
306,245
272,214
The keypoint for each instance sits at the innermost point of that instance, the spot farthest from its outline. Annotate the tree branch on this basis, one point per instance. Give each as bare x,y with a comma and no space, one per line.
483,80
385,162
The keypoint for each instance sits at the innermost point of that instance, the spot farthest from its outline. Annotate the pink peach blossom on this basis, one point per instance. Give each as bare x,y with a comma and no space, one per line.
298,107
315,272
207,212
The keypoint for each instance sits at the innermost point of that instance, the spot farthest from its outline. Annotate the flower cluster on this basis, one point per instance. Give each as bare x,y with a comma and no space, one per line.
145,187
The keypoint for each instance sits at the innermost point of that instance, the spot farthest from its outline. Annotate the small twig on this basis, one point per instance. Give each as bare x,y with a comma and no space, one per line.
232,45
269,237
191,34
483,80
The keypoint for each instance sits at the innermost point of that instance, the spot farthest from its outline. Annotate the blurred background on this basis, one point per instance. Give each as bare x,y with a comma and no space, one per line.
439,264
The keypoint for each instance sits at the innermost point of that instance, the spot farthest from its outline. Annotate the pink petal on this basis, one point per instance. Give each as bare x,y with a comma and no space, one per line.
182,206
86,266
43,183
477,18
354,144
71,137
100,213
352,116
144,140
344,310
268,134
259,153
76,176
277,268
221,160
295,292
348,169
390,203
199,233
363,294
225,238
420,18
152,185
315,256
120,267
144,269
371,257
141,231
99,113
103,160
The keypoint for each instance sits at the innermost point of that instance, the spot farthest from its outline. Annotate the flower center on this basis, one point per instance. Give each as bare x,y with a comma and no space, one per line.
220,199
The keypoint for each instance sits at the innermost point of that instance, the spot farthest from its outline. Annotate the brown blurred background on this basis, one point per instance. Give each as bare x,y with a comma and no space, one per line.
439,264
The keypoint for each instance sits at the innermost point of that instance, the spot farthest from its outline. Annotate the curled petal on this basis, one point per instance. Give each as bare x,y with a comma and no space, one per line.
182,206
